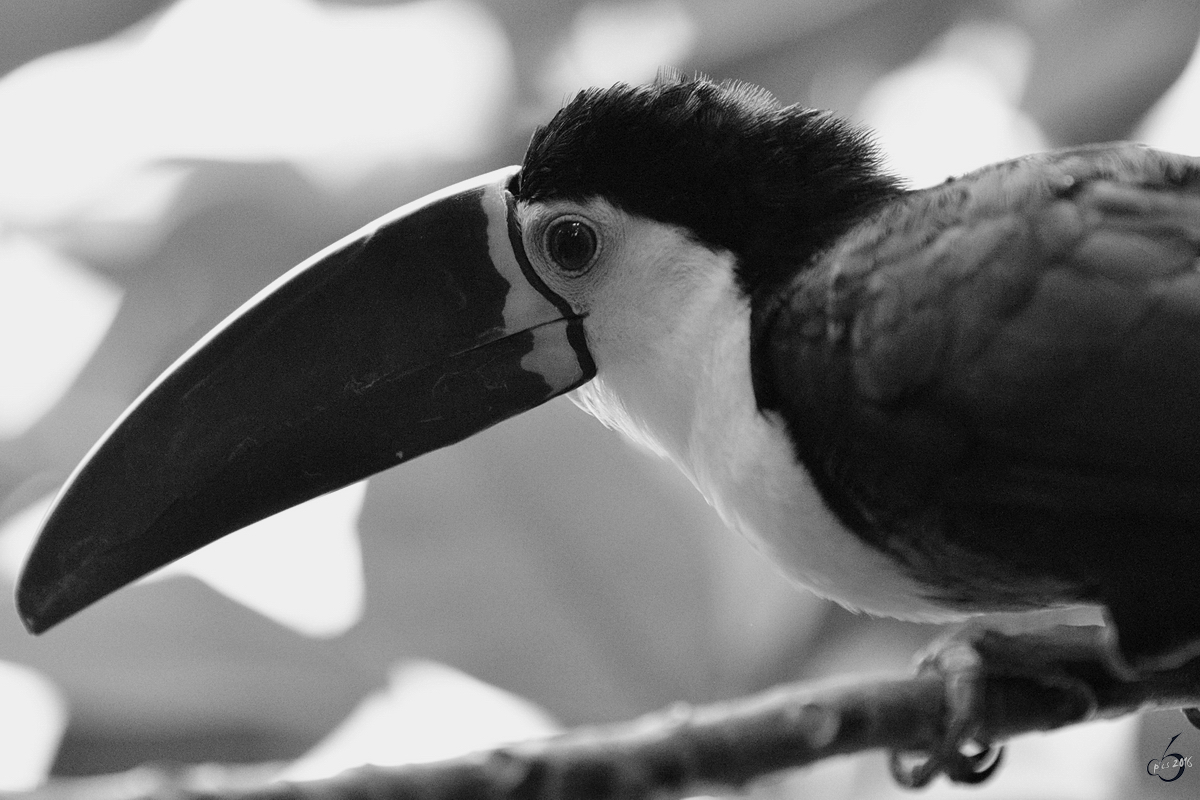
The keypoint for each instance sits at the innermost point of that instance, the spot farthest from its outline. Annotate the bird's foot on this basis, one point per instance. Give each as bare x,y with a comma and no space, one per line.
966,660
961,667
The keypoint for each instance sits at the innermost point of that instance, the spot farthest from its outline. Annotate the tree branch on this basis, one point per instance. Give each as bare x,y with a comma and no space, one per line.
687,750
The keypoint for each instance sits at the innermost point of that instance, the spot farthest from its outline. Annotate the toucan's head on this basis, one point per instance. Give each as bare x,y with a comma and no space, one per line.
636,211
645,207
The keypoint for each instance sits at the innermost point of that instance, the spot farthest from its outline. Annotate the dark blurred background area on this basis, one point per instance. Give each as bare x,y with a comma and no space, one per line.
162,161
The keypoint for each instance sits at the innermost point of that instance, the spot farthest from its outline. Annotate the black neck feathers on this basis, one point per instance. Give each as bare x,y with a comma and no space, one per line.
773,184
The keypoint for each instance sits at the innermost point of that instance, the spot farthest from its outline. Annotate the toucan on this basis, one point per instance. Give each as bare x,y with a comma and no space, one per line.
926,404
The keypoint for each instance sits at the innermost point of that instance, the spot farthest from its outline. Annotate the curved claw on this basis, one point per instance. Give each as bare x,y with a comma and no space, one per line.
957,766
961,667
975,768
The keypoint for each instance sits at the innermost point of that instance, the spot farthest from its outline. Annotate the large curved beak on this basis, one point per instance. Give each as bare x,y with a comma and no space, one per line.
419,330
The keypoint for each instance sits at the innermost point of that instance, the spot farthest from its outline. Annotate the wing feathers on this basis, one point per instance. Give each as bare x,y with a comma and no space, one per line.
1008,359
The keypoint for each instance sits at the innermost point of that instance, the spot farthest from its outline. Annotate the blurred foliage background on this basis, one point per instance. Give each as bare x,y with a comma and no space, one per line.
161,161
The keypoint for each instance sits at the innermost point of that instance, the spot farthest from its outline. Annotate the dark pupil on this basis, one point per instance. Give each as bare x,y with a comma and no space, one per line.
572,245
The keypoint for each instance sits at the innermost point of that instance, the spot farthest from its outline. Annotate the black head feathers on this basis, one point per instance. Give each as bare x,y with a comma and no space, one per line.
772,184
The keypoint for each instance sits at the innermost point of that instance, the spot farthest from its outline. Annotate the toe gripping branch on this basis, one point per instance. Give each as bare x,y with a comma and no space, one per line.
961,667
975,666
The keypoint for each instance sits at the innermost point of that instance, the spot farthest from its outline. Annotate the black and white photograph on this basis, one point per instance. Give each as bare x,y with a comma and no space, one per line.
599,399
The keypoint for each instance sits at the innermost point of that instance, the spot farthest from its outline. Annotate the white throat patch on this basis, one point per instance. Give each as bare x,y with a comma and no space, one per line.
688,396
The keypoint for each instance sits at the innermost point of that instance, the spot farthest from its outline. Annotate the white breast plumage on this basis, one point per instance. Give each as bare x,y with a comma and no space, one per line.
693,402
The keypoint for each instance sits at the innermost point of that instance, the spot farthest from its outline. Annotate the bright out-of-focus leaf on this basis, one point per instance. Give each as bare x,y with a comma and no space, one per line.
53,313
34,716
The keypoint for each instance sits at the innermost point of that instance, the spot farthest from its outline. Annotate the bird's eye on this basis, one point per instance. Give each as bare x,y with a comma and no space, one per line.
572,245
